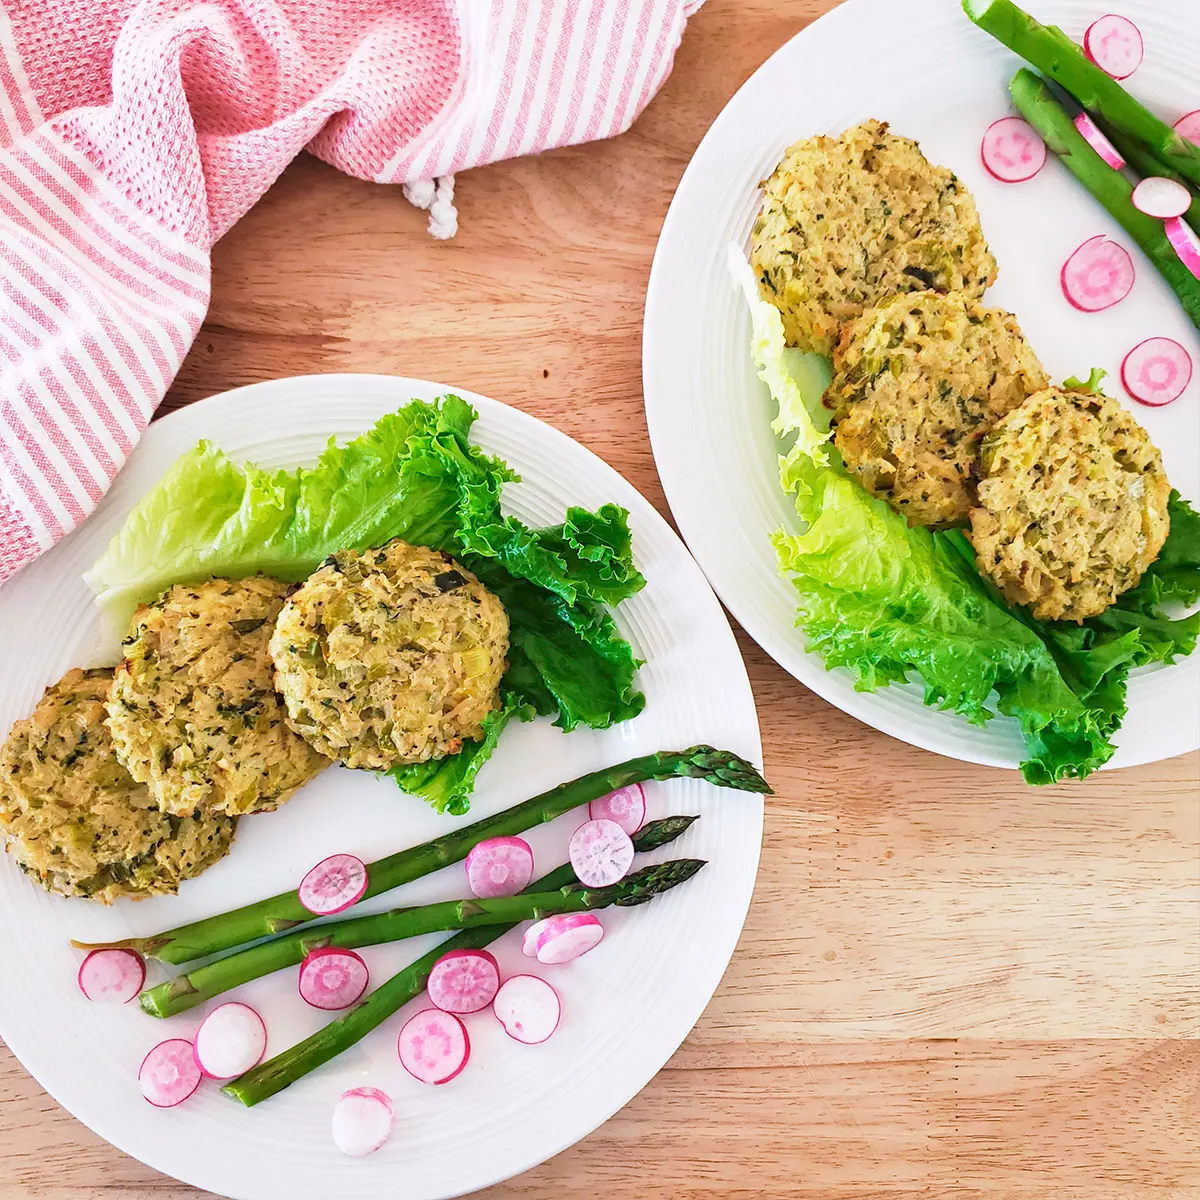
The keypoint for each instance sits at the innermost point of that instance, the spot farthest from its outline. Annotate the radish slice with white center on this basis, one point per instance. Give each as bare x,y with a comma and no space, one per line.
1098,275
626,806
169,1074
1156,371
1188,126
1098,141
568,936
230,1040
363,1119
1114,44
1187,245
528,1008
499,866
601,852
1162,198
464,981
530,940
332,978
1012,150
333,884
433,1046
112,976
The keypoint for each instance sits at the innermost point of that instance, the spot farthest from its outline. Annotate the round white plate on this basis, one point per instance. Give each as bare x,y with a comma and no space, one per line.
922,66
626,1006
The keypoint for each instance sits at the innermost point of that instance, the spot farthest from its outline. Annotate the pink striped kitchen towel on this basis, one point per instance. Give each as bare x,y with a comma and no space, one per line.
133,135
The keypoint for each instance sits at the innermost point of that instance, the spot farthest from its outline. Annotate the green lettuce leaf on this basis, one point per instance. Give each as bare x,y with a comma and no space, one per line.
413,475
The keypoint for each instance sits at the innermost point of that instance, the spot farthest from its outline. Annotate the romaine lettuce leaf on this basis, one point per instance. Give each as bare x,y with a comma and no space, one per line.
413,475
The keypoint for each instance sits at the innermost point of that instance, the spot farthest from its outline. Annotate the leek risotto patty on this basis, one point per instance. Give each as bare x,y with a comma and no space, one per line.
848,222
1073,506
74,818
392,655
917,384
193,709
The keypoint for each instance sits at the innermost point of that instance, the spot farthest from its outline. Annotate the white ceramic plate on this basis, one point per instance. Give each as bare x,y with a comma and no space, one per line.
627,1005
922,66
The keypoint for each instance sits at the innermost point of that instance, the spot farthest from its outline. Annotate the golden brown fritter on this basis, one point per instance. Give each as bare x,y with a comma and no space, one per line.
848,222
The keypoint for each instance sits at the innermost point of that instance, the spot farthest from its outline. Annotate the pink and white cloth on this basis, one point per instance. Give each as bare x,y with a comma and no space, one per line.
133,135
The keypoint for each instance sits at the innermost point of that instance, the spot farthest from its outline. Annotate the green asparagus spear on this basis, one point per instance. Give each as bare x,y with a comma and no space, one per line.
284,1069
186,991
1146,165
1051,51
1110,187
284,911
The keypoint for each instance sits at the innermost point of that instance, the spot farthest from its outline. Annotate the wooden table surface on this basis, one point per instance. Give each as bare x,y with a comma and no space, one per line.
948,985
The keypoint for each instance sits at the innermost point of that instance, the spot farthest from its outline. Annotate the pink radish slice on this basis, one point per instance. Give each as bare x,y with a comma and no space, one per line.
333,884
499,866
230,1040
112,976
332,978
626,807
1188,126
464,981
1098,141
1162,198
433,1046
362,1121
1186,243
530,940
1098,275
1012,150
568,936
528,1008
169,1074
1156,371
1114,44
601,852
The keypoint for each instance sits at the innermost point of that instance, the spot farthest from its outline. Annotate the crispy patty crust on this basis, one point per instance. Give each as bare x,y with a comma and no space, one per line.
75,819
388,656
193,709
1073,505
917,384
848,222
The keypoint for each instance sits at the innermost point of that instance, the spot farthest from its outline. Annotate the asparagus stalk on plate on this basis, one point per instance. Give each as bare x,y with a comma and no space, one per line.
1039,107
1052,52
186,991
263,1081
1147,165
283,912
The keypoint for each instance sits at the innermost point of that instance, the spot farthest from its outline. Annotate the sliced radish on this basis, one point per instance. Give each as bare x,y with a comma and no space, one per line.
333,884
1187,245
112,976
433,1046
169,1074
528,1008
601,852
1012,150
1114,44
230,1040
499,866
1098,141
530,939
626,807
362,1121
568,936
464,981
1188,126
332,978
1159,197
1156,371
1098,274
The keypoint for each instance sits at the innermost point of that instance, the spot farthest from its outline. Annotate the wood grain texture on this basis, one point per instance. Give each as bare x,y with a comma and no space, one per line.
948,985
